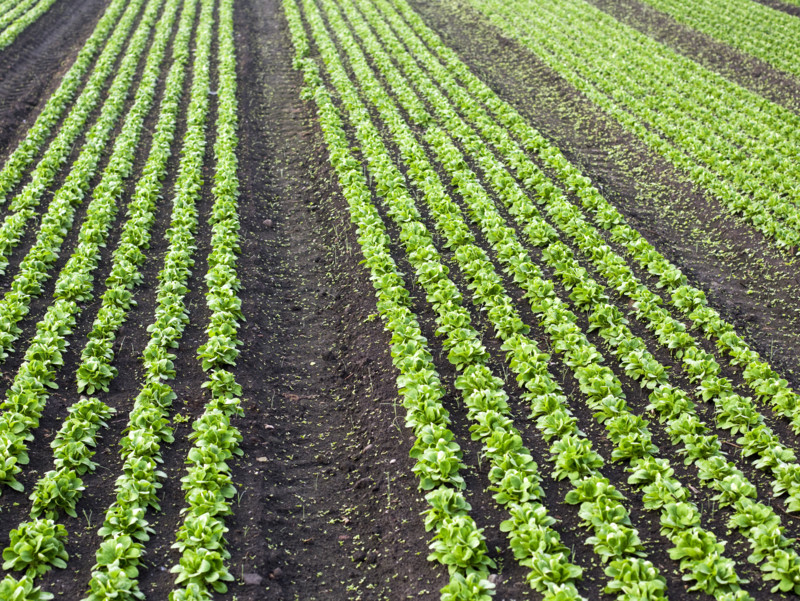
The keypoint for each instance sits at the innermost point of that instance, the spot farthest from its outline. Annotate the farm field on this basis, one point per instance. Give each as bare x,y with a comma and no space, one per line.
399,299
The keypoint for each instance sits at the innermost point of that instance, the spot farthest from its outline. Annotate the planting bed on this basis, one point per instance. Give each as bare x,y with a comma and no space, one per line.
399,299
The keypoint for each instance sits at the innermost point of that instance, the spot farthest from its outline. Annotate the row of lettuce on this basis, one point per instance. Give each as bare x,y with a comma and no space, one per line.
458,543
208,485
754,28
734,413
765,382
126,528
610,225
38,545
55,222
18,17
701,555
58,491
108,36
589,296
29,391
725,138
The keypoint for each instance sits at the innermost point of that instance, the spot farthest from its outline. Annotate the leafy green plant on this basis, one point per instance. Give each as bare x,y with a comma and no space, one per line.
22,590
472,586
35,547
459,545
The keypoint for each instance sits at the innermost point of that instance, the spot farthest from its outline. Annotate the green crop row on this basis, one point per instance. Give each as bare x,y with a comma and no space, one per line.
58,490
754,28
707,574
28,394
19,18
208,485
626,568
699,366
494,231
14,167
58,150
514,475
725,138
419,383
36,267
7,5
635,359
125,529
759,376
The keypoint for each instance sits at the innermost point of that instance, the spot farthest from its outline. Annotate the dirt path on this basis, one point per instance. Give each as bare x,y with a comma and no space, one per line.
329,508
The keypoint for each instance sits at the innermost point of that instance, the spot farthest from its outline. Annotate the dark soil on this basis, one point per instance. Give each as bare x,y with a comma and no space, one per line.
738,66
329,507
32,66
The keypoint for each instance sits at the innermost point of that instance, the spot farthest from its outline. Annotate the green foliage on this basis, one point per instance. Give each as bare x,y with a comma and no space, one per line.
36,547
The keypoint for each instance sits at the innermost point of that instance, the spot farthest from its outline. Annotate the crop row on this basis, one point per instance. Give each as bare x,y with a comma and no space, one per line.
736,413
58,490
635,359
514,475
782,564
419,384
759,376
35,268
493,232
38,545
16,163
28,394
648,586
725,138
7,5
208,486
56,154
96,371
126,528
757,29
19,18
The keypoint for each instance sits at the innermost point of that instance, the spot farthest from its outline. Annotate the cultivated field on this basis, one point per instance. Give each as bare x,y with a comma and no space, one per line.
399,299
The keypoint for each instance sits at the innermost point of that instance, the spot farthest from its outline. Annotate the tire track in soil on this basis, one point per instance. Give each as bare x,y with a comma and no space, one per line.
744,276
786,7
317,519
32,67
